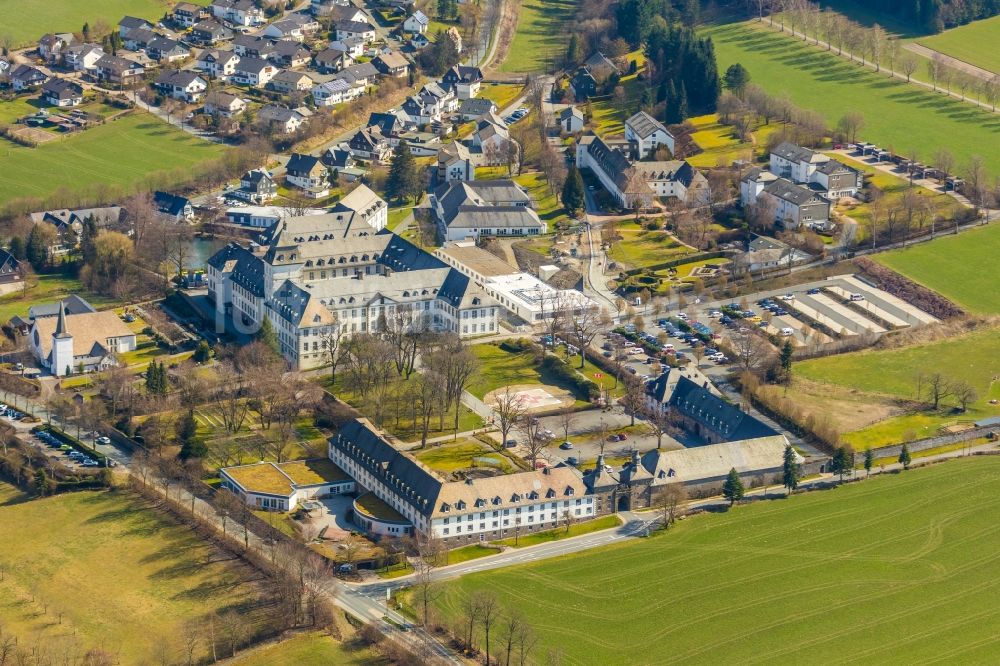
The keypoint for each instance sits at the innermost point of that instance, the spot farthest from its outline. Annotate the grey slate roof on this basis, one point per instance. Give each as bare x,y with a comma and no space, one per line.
790,192
73,304
792,152
712,412
645,125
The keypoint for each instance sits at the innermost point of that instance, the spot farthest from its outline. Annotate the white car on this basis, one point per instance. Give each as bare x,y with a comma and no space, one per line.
682,316
788,297
714,314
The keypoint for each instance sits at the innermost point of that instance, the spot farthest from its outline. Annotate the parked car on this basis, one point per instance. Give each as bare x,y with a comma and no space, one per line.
788,297
103,440
566,446
857,297
572,461
813,291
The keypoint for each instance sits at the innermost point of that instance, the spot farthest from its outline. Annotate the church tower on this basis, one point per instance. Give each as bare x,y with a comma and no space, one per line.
62,347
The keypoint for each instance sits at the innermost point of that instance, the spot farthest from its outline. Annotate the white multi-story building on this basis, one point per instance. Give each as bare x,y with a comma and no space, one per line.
646,134
413,500
311,275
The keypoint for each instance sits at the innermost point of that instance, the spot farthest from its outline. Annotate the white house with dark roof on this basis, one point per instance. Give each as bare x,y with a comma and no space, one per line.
252,71
571,120
465,80
238,12
335,92
471,209
187,14
796,205
289,81
62,93
181,84
307,173
82,57
52,45
647,134
347,29
257,186
210,32
218,103
26,77
416,23
164,50
454,162
86,342
129,23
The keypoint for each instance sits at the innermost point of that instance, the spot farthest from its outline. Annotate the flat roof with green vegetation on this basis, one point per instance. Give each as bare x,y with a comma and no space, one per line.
106,571
122,152
464,454
898,569
263,477
313,472
305,649
975,43
904,116
370,505
536,45
24,21
960,267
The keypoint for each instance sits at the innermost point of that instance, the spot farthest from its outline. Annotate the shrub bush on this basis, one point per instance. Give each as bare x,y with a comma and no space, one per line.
582,386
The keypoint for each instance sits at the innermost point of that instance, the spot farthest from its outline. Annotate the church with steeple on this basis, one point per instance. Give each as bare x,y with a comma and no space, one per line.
70,344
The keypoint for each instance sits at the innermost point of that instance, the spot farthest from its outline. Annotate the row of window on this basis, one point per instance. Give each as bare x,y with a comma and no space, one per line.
553,518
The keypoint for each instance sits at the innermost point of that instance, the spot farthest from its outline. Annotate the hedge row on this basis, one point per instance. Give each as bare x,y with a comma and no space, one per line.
581,385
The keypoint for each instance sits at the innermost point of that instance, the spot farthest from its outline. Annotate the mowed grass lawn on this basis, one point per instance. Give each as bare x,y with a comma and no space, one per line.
537,44
99,569
961,268
899,569
121,152
719,143
47,289
897,114
640,247
308,649
972,358
26,20
975,43
499,368
501,94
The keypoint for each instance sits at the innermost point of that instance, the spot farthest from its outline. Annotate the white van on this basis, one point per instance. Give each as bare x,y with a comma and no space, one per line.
787,331
857,297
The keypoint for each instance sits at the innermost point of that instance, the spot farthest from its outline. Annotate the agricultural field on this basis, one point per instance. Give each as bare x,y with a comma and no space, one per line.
897,114
24,21
889,378
957,267
119,153
975,43
895,570
533,48
893,188
308,649
109,572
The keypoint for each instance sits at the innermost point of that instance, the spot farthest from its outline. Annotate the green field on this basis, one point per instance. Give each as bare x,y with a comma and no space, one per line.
892,374
958,267
898,570
547,206
536,47
499,368
976,43
308,650
122,152
99,569
640,247
25,21
897,115
47,289
501,94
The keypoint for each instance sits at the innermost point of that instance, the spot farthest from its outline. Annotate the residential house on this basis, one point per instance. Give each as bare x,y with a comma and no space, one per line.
600,66
257,186
119,70
795,163
253,46
583,83
181,84
210,32
10,268
753,183
268,486
166,50
838,180
129,23
417,23
288,53
294,27
138,38
282,118
342,11
308,173
640,184
173,206
187,14
369,144
646,134
418,42
244,13
87,342
491,139
340,162
360,74
454,162
796,205
392,64
352,46
52,46
223,104
390,124
347,29
464,80
473,109
329,61
217,63
4,65
445,98
571,120
62,93
422,109
82,57
68,225
26,77
288,81
472,209
334,92
252,71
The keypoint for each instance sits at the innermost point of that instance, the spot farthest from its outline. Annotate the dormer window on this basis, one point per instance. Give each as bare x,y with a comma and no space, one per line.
550,493
569,490
460,505
480,503
497,500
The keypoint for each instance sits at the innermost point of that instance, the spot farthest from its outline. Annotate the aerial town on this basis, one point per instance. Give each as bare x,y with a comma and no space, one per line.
500,332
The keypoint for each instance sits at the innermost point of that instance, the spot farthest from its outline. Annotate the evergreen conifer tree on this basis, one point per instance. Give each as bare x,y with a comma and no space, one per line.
733,489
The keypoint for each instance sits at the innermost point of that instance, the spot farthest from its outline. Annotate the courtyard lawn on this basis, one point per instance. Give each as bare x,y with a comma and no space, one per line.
502,94
306,649
899,569
24,21
397,215
122,152
640,247
975,43
893,189
959,267
534,48
108,572
892,374
903,116
47,289
465,454
609,115
499,368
